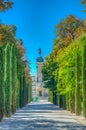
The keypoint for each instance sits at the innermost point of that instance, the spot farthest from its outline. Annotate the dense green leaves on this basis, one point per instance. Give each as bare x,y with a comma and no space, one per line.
64,70
8,89
78,85
2,91
15,79
48,71
84,78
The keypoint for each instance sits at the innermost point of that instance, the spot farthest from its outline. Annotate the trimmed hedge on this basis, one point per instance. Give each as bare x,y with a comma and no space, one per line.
15,92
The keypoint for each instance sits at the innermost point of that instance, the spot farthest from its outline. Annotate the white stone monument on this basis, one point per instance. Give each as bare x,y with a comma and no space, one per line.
41,92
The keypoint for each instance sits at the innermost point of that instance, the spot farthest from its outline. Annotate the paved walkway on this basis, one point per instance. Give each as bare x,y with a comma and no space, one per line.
40,116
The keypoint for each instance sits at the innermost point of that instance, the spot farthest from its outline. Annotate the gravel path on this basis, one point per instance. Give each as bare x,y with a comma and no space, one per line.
41,115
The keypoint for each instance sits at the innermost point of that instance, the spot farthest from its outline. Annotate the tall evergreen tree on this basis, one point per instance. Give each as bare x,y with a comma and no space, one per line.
84,79
8,89
2,92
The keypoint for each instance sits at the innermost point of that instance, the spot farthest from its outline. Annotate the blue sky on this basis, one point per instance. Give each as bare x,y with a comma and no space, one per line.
35,21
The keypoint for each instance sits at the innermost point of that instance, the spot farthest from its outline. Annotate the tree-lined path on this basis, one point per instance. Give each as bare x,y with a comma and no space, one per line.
41,115
63,70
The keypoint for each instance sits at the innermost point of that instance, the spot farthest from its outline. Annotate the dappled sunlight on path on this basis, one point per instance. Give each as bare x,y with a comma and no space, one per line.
40,115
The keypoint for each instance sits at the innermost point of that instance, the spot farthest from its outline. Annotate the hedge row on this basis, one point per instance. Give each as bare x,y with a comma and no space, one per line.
70,77
15,91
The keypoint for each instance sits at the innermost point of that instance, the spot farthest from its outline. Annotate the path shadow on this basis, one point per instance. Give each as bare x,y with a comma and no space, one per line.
40,124
40,117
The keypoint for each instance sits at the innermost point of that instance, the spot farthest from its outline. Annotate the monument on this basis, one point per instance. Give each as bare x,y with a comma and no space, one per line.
39,63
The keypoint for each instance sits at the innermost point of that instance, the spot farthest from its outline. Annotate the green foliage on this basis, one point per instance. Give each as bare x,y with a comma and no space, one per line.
8,89
68,77
78,84
72,101
15,79
50,96
21,91
67,101
84,78
48,72
7,34
29,91
14,91
2,92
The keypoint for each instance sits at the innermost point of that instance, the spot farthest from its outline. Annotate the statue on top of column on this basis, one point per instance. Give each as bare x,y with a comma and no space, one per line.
39,51
39,59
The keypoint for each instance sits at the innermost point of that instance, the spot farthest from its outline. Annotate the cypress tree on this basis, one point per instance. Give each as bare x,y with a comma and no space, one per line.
28,87
13,80
72,101
21,88
50,95
71,92
67,101
17,84
24,90
8,89
84,79
4,78
61,101
68,93
2,94
77,88
29,90
26,93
